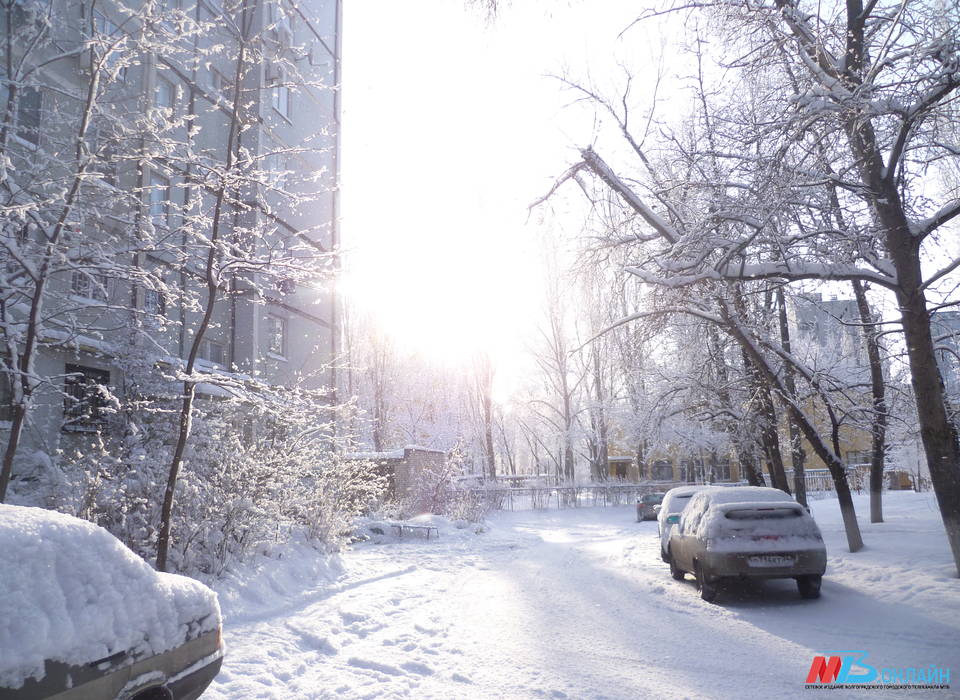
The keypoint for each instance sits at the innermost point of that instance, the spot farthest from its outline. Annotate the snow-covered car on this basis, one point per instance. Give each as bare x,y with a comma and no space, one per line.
750,531
647,506
83,618
672,505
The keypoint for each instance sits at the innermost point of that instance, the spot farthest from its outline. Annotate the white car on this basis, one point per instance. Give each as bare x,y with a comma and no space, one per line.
669,514
82,617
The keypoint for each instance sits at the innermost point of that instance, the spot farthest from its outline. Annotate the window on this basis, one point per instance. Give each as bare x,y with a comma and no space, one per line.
105,29
154,302
28,115
662,471
858,458
279,18
105,155
6,394
85,396
166,94
274,163
721,470
102,25
280,92
89,286
221,85
159,200
276,336
212,351
281,100
19,241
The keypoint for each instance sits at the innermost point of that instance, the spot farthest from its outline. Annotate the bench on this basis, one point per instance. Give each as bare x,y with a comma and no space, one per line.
420,530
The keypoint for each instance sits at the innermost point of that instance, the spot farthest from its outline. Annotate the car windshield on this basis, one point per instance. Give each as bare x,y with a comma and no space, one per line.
653,498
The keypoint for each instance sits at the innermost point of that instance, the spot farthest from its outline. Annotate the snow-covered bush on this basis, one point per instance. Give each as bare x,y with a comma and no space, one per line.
435,491
259,467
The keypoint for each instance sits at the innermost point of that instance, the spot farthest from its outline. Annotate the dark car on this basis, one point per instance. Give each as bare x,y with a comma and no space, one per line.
747,532
647,506
83,618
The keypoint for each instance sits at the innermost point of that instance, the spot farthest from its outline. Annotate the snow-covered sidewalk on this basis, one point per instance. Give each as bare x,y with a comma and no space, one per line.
577,604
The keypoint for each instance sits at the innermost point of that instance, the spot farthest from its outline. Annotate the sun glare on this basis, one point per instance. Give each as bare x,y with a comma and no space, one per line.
448,300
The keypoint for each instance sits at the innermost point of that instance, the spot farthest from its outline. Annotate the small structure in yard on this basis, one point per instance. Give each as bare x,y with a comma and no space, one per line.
401,529
403,466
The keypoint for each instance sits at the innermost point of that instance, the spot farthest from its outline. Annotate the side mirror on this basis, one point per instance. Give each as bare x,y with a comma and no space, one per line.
656,508
673,519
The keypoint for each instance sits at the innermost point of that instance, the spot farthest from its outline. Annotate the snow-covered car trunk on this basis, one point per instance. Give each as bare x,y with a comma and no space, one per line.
752,527
723,534
81,616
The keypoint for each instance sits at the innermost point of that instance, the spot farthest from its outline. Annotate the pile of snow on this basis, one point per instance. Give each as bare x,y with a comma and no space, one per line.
71,592
282,572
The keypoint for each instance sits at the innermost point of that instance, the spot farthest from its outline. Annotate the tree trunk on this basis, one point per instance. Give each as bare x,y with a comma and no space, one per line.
770,437
878,423
762,407
748,462
211,277
839,474
642,472
603,457
743,445
938,434
936,431
488,433
797,454
34,320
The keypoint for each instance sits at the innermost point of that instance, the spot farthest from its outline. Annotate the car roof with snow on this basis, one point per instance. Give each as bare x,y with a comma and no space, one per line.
741,494
73,593
681,493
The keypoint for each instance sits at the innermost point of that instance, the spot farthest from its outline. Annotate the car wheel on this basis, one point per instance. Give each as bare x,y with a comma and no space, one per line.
708,589
675,570
809,585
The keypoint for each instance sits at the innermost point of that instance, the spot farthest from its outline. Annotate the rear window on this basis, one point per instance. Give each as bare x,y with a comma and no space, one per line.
763,514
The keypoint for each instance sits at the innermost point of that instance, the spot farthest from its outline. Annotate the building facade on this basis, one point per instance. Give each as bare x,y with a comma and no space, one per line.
157,152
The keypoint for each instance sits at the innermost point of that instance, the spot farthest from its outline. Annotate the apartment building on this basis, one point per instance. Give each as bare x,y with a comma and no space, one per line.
149,147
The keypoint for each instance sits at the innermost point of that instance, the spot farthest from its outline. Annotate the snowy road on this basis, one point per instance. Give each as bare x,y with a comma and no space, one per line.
577,604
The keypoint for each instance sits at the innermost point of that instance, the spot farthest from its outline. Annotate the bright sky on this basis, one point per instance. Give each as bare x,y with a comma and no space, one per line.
450,129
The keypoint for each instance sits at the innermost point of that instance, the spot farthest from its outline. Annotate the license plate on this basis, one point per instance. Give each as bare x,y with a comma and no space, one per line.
770,560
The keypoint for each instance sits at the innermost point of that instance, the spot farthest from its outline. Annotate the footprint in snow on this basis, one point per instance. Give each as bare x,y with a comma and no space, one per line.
416,667
309,640
350,618
369,665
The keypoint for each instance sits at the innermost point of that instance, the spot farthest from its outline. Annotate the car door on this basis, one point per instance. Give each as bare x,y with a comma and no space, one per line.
679,544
